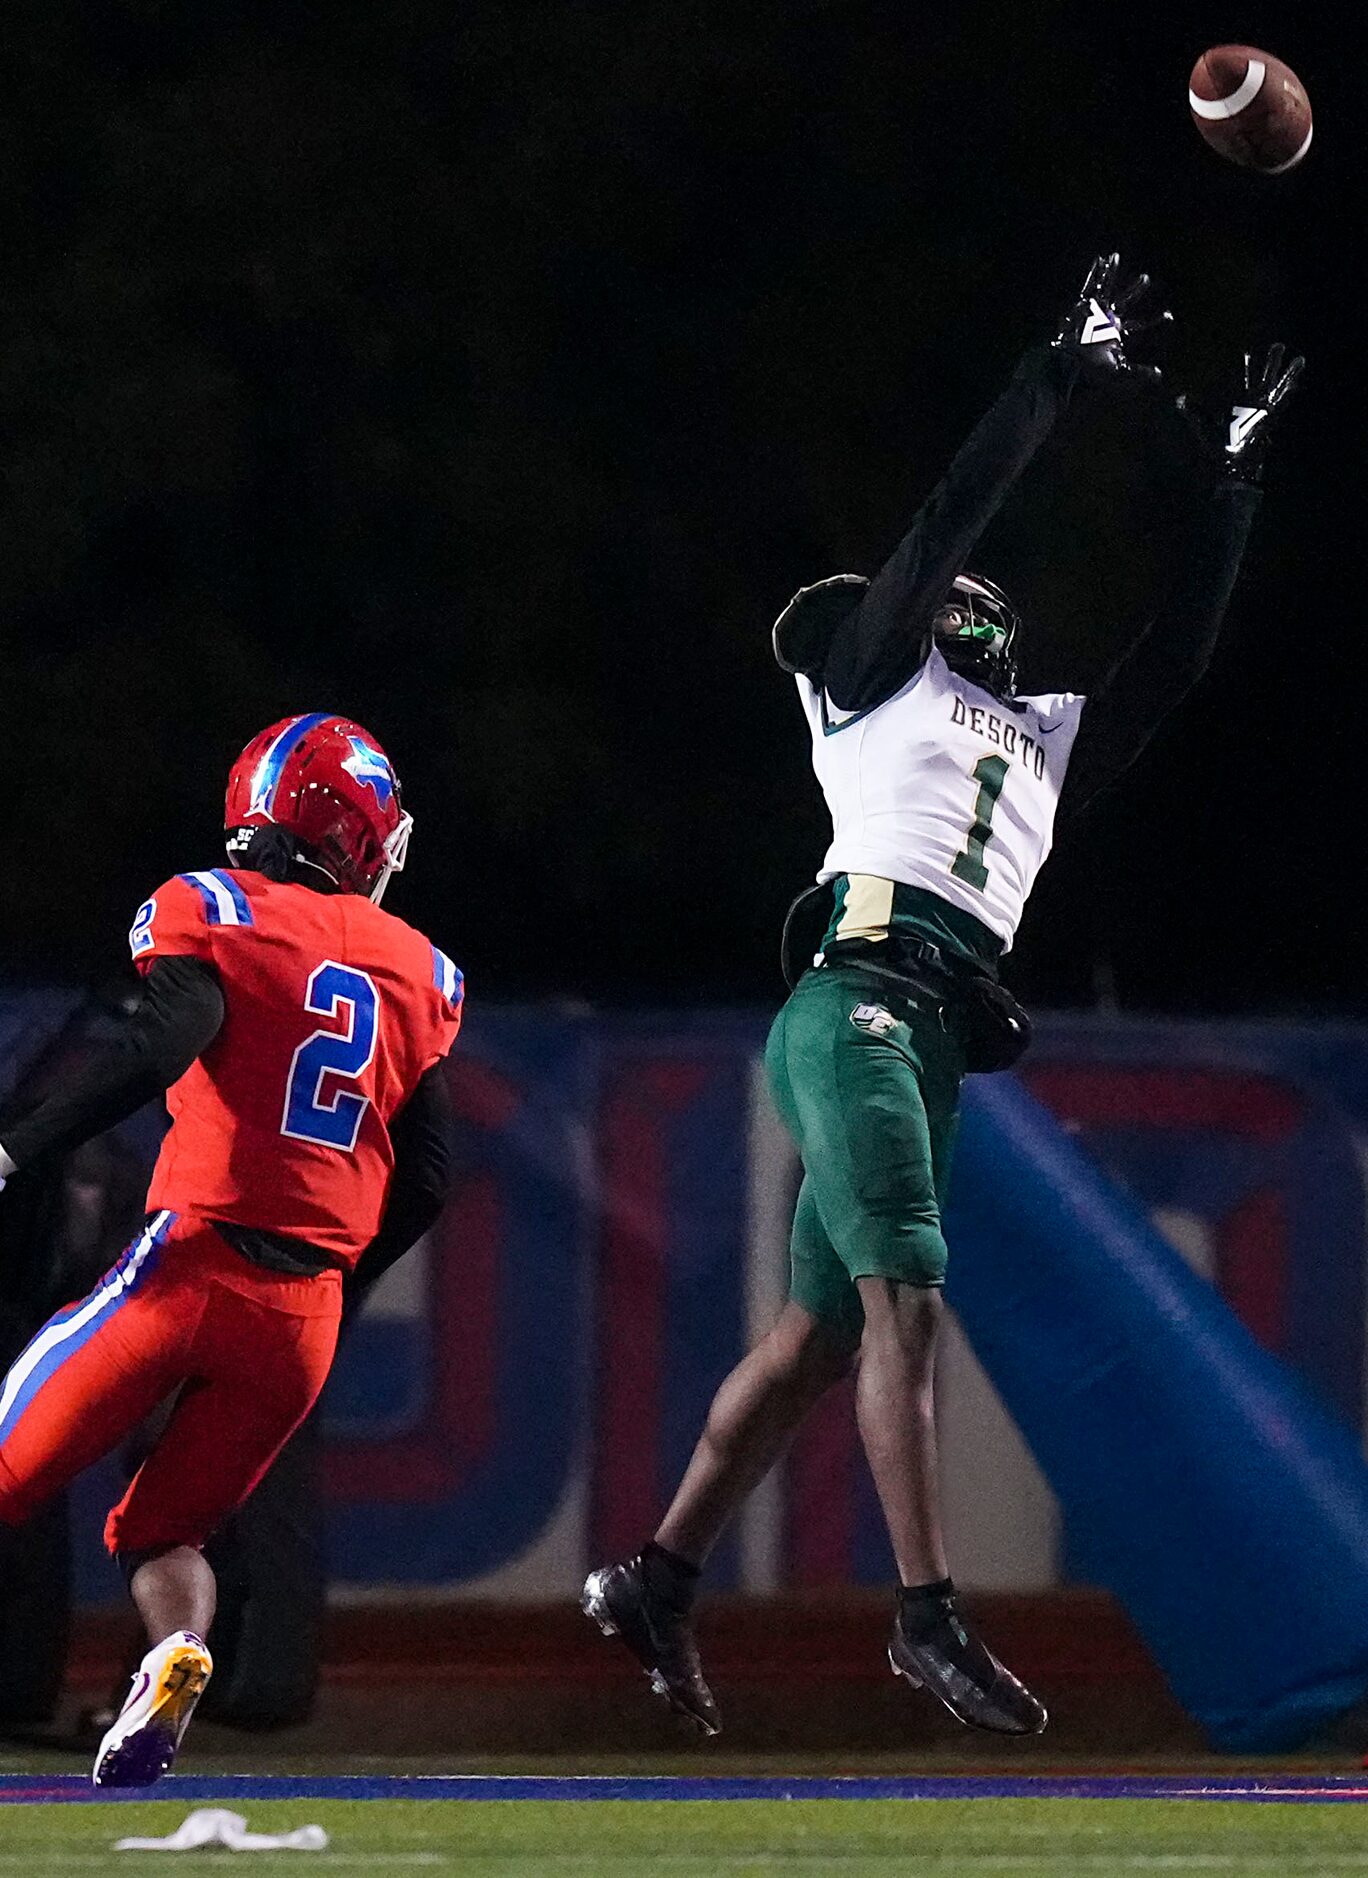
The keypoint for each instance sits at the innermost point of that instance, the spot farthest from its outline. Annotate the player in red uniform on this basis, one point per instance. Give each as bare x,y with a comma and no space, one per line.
298,1032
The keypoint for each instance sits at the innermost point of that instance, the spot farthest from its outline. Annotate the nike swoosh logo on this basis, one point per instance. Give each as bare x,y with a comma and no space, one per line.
1244,421
1100,327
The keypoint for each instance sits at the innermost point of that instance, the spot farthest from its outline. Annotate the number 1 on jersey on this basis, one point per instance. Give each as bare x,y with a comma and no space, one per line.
990,773
333,991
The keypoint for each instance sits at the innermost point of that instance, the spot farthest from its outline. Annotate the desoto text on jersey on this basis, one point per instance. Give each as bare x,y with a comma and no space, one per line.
945,787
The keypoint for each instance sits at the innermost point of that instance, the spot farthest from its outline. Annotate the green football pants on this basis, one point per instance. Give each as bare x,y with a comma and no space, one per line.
867,1081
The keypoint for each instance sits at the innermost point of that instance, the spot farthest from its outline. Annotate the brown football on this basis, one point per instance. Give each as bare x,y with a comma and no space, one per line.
1250,108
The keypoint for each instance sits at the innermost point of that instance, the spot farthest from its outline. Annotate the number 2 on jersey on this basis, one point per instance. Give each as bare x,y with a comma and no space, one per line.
334,1121
990,773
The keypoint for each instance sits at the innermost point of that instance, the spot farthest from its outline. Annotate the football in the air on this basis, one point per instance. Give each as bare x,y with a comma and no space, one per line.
1250,108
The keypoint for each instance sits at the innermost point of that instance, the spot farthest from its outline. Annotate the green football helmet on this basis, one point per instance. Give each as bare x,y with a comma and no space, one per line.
975,629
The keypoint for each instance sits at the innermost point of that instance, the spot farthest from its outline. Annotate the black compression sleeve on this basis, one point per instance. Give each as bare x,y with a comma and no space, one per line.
1163,665
879,646
421,1136
177,1018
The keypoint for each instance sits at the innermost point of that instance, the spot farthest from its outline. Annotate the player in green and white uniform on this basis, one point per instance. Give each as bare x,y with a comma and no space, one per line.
943,786
920,787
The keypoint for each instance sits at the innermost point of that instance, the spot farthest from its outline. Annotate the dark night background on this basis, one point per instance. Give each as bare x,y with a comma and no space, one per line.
493,373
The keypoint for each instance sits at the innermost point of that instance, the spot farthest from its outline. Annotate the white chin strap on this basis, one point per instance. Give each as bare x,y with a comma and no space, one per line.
396,853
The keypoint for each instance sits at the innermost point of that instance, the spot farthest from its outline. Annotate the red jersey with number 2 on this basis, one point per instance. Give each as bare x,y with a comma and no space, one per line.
334,1010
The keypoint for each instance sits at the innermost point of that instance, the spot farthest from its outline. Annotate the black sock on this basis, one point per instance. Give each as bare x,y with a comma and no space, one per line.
670,1576
922,1604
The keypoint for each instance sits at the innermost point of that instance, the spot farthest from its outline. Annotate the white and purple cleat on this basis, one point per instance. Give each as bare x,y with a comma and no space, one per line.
142,1744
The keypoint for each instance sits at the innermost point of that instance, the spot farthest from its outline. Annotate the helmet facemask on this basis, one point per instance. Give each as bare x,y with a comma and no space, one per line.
361,864
975,629
396,853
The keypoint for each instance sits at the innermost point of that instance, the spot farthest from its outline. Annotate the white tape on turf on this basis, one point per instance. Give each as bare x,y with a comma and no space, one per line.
215,1825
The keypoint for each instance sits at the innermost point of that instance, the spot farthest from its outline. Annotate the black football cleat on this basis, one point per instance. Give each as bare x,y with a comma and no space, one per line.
942,1655
624,1604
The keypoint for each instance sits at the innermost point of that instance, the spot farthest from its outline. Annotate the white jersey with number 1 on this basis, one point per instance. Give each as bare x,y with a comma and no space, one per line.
945,787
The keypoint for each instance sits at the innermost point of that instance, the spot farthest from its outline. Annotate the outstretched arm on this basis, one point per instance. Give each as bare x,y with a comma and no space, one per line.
1169,658
177,1018
880,644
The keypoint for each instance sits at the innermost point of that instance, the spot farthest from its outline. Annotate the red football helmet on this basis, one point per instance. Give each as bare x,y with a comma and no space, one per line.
327,781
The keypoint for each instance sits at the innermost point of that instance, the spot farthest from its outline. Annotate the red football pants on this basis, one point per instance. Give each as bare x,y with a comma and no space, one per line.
248,1350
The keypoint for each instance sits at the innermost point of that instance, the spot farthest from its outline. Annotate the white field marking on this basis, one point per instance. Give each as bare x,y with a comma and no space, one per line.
1059,1864
1244,93
1296,158
213,1858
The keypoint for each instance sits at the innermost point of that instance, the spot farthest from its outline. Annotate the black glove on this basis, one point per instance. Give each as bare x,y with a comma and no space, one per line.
1240,448
1101,321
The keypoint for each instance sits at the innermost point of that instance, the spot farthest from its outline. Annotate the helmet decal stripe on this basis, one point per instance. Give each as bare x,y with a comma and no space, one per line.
266,776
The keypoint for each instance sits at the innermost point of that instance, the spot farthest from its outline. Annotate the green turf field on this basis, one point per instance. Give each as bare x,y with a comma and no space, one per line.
857,1839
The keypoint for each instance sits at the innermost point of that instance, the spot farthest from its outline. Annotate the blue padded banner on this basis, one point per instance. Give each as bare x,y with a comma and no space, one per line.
1203,1483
